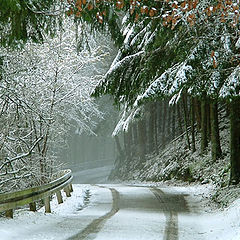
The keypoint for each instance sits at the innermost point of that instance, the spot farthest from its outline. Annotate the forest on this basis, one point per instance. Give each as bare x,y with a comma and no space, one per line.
176,75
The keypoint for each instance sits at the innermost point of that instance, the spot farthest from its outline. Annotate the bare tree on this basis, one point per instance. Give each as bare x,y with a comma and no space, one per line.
45,90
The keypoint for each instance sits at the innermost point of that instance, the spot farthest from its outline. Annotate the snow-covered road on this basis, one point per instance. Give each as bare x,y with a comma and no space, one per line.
125,212
140,213
92,175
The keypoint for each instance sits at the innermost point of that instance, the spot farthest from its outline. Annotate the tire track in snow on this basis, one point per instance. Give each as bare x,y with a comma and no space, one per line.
91,231
171,205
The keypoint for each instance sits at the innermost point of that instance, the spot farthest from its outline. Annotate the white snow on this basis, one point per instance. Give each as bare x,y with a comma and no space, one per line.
168,83
202,223
127,116
123,62
132,222
231,85
28,225
130,32
226,40
237,45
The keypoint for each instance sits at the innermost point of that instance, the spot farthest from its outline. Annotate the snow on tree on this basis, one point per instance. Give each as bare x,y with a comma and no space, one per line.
231,86
30,19
201,35
45,90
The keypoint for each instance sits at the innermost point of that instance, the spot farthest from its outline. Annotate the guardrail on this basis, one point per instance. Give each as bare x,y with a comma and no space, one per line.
13,200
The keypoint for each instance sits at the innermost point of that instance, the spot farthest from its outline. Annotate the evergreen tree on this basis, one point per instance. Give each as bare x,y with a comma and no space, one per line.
168,48
21,20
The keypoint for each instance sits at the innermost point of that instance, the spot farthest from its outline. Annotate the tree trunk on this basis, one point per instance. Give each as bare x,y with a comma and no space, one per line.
163,138
130,140
118,145
197,105
215,138
142,139
235,140
151,129
204,141
208,120
193,124
180,128
169,124
135,134
173,121
160,122
185,111
128,143
156,105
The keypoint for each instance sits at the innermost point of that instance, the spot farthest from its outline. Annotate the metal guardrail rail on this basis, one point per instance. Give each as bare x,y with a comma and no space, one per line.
13,200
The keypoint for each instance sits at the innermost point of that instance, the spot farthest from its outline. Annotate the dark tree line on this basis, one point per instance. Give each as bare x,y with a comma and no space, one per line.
162,124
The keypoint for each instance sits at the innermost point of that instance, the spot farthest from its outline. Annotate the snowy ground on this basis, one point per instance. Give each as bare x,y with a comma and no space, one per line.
27,225
75,214
212,223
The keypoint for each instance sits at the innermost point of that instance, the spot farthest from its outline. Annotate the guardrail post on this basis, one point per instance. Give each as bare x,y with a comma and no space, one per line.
9,213
47,205
67,191
59,197
33,207
70,187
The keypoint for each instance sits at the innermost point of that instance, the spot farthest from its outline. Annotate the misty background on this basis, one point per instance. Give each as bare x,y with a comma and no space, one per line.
91,156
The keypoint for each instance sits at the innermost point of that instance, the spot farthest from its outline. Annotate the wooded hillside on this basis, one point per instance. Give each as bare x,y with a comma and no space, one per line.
177,64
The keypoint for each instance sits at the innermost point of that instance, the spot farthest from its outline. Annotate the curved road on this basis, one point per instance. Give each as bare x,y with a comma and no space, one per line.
92,175
126,212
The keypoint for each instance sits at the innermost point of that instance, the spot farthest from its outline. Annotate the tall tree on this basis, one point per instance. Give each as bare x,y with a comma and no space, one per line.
193,146
215,138
142,139
235,140
230,90
204,139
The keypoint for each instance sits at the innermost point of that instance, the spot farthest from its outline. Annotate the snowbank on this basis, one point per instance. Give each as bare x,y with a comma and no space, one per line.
41,225
210,223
